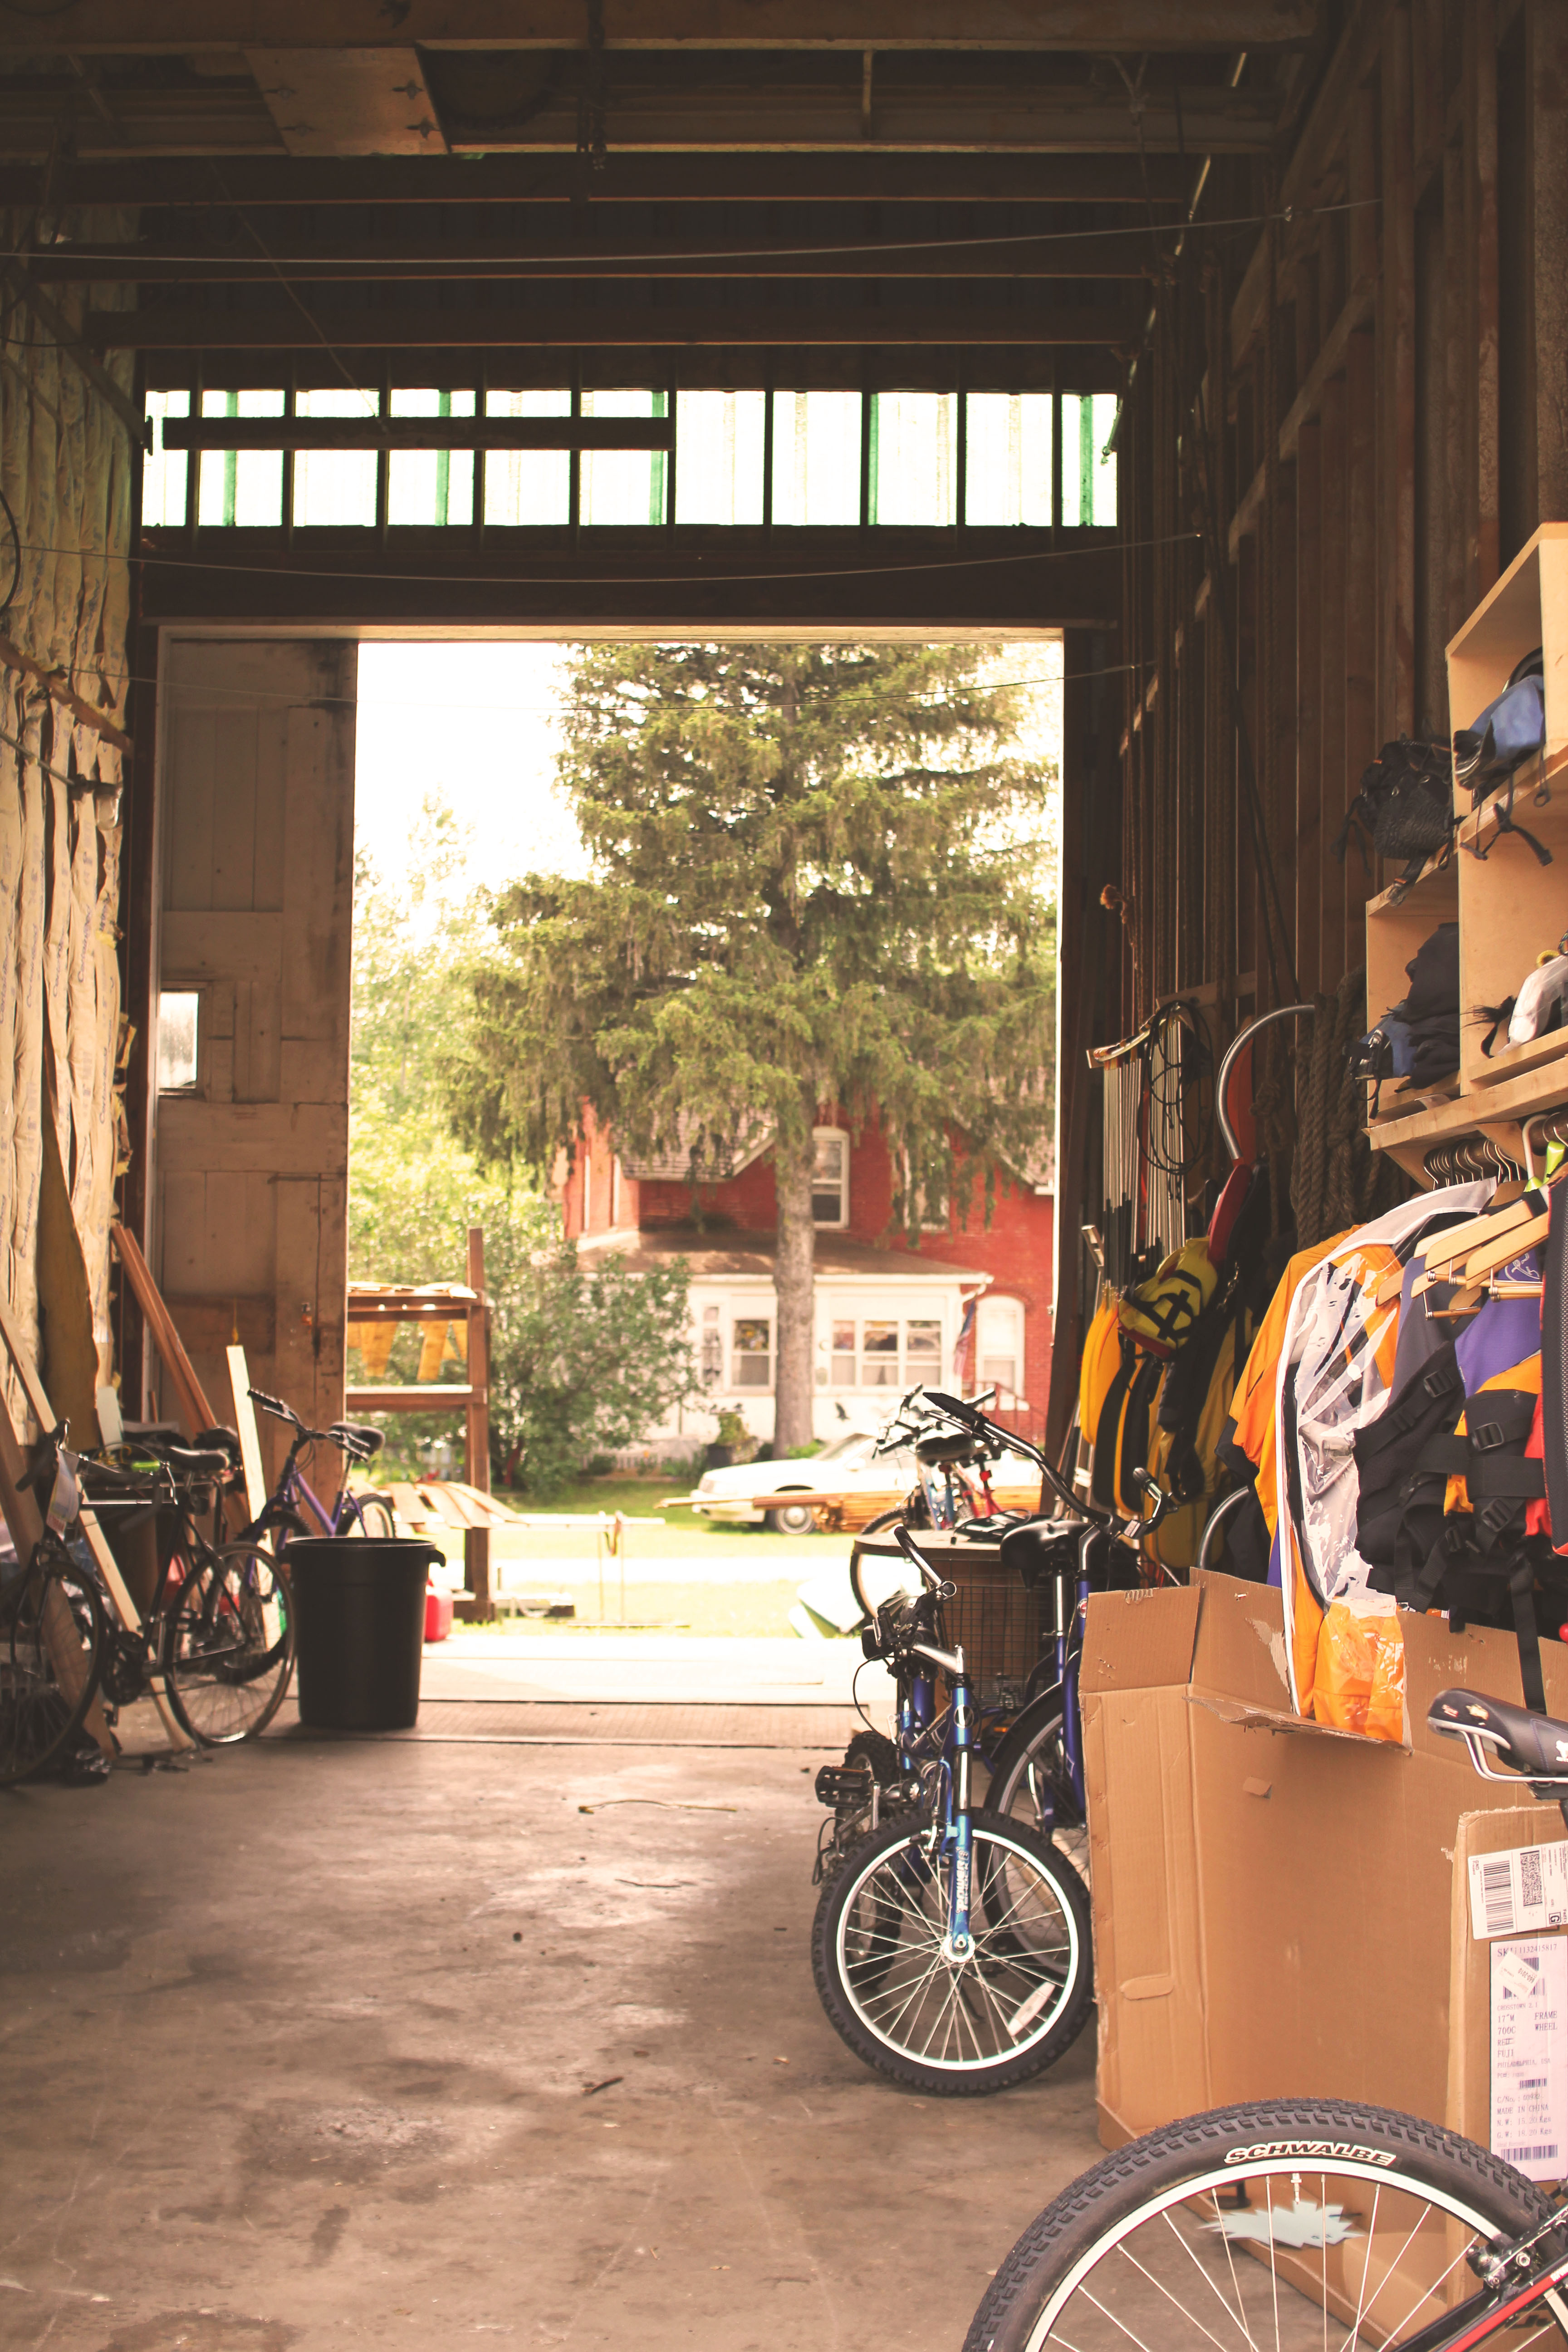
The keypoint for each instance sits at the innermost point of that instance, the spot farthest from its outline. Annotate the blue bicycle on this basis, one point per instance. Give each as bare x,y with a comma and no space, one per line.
952,1949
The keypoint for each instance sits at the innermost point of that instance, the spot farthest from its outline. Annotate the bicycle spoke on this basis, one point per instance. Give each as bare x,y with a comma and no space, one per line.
1240,2314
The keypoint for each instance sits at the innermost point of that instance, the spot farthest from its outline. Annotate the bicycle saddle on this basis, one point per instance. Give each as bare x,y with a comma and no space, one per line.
1535,1745
1042,1547
945,1450
197,1461
219,1438
359,1436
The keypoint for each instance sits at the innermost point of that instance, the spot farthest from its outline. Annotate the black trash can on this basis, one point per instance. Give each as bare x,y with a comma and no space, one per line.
359,1629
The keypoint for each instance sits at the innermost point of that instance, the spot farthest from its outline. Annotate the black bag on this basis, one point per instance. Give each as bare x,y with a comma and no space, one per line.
1405,806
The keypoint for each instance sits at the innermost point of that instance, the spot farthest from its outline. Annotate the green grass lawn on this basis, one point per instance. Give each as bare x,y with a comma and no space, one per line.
640,1496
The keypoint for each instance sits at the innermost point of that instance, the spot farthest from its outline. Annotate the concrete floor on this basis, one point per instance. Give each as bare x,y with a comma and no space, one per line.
314,2043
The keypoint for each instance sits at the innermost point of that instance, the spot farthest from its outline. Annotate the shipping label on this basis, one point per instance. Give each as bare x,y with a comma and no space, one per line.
1521,1892
1529,2054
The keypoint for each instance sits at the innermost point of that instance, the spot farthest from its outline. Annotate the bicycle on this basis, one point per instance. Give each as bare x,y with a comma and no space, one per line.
350,1514
1341,2212
217,1640
943,1495
951,1951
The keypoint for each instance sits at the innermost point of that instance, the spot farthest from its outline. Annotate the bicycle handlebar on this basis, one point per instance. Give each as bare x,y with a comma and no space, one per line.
911,1551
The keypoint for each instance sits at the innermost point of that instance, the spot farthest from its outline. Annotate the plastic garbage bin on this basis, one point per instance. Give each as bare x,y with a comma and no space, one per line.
359,1629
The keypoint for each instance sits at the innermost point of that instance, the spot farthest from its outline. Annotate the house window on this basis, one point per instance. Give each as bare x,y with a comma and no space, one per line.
178,1027
710,1358
879,1353
752,1350
842,1368
922,1351
999,1349
830,1178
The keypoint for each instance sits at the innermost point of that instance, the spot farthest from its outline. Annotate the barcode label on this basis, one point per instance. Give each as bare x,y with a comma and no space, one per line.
1519,1893
1529,2053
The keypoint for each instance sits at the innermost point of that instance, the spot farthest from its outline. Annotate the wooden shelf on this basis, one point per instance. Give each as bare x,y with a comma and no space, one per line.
1437,883
1534,1055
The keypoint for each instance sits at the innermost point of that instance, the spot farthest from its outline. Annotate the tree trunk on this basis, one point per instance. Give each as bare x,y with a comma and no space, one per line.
794,1280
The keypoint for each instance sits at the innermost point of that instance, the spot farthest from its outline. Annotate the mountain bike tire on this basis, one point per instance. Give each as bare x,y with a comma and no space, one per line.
954,2029
44,1609
374,1518
229,1645
1345,2215
1031,1763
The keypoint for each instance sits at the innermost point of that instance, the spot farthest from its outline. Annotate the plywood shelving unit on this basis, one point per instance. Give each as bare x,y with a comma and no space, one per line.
1508,907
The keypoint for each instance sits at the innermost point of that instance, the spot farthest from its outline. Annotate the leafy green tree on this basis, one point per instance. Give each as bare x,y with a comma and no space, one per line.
580,1362
818,881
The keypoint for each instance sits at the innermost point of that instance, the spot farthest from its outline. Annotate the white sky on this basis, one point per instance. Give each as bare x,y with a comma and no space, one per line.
476,724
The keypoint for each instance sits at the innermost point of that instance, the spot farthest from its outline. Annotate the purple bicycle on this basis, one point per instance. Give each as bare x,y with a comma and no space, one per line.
282,1514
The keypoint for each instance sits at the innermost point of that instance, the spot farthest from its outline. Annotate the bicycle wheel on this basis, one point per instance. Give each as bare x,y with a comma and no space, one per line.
374,1516
933,2022
875,1579
1262,2224
229,1645
50,1612
1030,1773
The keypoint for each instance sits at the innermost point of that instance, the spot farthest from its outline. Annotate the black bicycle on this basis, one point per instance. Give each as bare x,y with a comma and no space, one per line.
1299,2223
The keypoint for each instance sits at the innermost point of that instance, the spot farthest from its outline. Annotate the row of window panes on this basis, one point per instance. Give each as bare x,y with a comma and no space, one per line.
911,462
864,1352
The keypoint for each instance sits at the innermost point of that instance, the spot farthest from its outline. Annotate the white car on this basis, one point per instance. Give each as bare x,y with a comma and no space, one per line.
847,1465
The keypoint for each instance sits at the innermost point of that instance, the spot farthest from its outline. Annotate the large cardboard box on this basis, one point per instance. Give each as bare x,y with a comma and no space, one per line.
1277,1905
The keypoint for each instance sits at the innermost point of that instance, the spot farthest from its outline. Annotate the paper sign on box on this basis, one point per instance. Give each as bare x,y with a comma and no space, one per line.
1529,2054
1520,1891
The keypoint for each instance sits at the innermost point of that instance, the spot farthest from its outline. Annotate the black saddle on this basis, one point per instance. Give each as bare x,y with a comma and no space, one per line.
357,1437
1534,1745
197,1461
946,1451
1042,1549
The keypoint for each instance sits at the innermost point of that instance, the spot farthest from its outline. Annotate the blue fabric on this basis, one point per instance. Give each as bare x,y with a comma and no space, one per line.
1502,1333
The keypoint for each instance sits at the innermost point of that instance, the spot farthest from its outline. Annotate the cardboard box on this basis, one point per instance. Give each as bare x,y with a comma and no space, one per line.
1277,1910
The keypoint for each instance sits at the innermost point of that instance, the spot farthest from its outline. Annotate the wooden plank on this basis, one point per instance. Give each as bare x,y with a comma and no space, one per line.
249,1436
195,1413
1396,349
1479,94
409,1396
477,1542
1328,365
278,1139
59,690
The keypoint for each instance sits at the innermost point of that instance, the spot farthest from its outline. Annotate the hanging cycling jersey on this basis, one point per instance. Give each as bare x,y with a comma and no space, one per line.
1333,1377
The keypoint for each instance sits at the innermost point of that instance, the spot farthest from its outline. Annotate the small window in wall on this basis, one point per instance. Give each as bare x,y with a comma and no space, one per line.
1088,468
179,1012
752,1350
830,1178
841,1354
1008,471
922,1350
336,486
430,486
528,486
913,476
244,486
880,1352
623,486
718,446
710,1354
163,472
816,457
999,1349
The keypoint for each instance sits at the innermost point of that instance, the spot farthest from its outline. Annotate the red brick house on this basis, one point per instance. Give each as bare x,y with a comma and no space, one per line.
972,1306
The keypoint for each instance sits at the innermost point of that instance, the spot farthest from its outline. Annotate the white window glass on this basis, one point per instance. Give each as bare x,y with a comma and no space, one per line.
243,486
842,1354
178,1012
528,486
752,1350
711,1353
1008,459
164,474
830,1180
430,486
335,486
999,1348
718,449
816,457
1088,470
922,1346
913,436
623,486
879,1353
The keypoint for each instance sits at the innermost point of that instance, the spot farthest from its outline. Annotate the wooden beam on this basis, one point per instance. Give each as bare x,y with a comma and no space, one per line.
411,1396
419,433
152,181
195,1413
140,28
1065,118
476,1539
75,348
1328,363
274,326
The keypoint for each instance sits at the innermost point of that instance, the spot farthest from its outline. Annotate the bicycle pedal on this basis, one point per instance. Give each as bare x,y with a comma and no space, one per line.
841,1784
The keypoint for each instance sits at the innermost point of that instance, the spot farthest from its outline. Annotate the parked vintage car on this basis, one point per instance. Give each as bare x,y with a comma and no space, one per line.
848,1465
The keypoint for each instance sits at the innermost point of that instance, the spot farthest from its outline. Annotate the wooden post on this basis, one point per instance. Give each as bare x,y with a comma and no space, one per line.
477,1540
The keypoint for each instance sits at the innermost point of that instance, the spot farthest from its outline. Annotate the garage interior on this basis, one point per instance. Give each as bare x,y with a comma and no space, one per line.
415,2040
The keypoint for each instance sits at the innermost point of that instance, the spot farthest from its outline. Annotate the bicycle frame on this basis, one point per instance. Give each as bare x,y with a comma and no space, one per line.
293,1488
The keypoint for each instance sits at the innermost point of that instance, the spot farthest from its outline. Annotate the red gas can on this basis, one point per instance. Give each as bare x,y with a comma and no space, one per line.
437,1614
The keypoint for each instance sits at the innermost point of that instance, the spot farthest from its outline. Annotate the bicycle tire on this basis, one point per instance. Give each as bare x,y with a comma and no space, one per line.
871,1601
39,1717
1085,2256
229,1645
1031,1762
886,1911
375,1518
